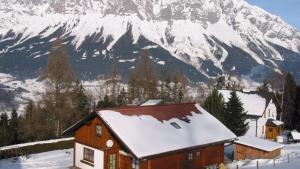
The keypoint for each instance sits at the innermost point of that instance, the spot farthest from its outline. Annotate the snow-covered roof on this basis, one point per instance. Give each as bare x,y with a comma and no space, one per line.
151,102
258,143
295,134
277,122
253,103
152,130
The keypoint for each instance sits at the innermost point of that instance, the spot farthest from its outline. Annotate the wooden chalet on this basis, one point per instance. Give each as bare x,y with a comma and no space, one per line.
174,136
255,148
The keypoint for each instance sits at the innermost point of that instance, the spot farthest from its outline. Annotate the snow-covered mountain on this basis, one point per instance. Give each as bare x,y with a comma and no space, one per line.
200,38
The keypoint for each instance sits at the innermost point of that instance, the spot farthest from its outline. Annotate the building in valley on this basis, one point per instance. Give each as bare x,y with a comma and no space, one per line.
173,136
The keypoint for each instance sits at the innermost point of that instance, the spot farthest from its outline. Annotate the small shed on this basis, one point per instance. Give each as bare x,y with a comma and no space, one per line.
294,136
255,148
273,129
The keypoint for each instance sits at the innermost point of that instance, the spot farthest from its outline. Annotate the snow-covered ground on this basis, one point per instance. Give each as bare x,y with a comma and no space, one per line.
289,159
62,159
59,159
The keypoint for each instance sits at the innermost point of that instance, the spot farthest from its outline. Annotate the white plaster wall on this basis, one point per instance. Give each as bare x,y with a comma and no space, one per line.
98,157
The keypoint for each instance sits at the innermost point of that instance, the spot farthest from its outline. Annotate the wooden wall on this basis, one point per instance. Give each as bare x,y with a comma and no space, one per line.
242,152
86,135
272,132
210,155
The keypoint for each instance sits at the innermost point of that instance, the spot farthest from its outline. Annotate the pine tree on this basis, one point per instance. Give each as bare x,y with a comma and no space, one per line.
220,82
14,127
298,109
215,105
264,90
122,98
80,101
235,115
289,102
4,130
106,103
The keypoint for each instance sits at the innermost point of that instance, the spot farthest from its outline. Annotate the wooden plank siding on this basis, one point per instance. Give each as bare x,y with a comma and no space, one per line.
242,152
272,132
209,155
86,135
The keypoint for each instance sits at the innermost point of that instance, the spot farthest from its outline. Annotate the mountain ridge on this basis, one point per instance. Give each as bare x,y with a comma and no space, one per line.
214,37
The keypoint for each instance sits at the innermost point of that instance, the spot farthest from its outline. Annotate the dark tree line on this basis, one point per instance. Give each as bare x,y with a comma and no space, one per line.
9,133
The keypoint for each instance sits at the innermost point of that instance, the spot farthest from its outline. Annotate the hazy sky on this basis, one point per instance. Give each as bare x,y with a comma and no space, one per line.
288,10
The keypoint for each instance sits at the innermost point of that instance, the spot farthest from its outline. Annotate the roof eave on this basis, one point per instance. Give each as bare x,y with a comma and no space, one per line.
188,148
80,123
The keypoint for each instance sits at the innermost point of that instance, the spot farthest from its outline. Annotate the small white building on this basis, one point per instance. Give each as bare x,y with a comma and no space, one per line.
259,111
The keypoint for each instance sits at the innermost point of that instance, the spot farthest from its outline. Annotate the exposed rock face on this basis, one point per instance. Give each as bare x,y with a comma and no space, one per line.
201,38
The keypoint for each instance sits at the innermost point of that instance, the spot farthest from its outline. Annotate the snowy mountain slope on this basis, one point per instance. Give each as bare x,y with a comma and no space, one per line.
204,38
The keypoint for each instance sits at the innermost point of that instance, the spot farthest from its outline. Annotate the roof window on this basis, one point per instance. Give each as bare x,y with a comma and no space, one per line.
174,124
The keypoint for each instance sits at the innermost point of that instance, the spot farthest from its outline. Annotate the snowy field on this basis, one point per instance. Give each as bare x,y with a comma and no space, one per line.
59,159
289,159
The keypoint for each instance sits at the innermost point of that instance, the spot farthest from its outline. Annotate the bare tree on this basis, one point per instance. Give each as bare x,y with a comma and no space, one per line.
143,81
59,81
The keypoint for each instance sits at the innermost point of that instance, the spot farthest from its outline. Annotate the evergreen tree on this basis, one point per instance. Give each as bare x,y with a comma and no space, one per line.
289,102
81,102
235,116
14,127
122,98
220,83
106,103
4,130
215,105
298,109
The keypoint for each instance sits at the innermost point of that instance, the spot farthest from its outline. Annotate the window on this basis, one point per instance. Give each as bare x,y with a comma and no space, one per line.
98,130
88,155
198,155
135,164
174,124
112,161
190,156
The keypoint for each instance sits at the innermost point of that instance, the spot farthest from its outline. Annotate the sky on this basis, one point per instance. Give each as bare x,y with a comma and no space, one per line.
288,10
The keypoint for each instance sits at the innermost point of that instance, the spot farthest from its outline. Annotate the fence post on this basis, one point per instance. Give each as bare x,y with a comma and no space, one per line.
257,164
288,158
237,166
273,161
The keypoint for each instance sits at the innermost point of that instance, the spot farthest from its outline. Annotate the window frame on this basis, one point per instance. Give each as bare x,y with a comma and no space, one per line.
112,161
88,155
96,130
198,155
190,156
175,125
